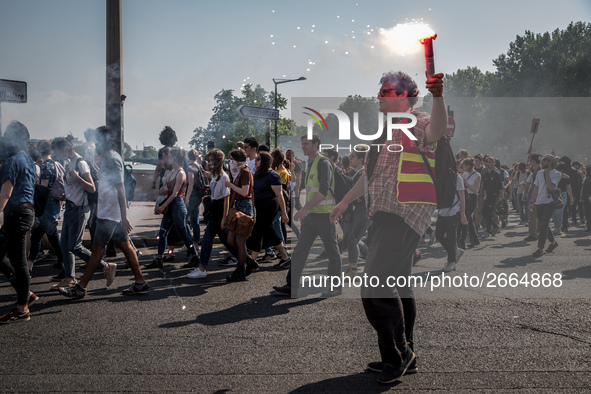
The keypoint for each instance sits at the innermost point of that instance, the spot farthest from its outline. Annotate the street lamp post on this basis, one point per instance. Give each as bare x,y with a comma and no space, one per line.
278,81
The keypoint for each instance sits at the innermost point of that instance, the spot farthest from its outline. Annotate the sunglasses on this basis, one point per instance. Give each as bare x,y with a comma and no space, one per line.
383,92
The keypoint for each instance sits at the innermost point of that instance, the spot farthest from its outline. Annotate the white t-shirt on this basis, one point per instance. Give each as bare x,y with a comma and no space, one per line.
544,196
218,188
454,209
471,179
111,174
251,166
74,190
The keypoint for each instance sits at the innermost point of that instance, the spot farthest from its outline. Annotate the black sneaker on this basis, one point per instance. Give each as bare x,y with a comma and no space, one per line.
193,263
391,373
378,366
75,292
238,275
228,261
494,231
137,288
251,265
59,277
283,264
156,263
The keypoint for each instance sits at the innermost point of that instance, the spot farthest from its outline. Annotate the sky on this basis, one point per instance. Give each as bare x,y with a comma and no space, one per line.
178,54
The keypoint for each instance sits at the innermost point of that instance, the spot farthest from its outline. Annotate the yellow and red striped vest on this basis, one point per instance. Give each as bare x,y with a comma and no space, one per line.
415,185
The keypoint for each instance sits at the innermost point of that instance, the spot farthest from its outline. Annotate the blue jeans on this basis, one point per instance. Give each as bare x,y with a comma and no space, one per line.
177,216
75,219
277,226
194,203
559,213
207,242
47,225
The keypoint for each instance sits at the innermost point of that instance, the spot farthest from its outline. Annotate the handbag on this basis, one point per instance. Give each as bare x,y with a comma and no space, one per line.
238,222
556,198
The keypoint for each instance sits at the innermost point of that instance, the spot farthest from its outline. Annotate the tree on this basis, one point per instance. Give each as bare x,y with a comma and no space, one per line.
226,126
128,151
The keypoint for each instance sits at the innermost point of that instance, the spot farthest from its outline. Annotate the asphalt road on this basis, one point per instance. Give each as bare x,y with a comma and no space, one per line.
210,336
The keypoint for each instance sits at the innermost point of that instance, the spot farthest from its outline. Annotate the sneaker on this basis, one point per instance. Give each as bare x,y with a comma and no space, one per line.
14,316
229,261
557,231
283,290
531,238
183,249
168,257
538,253
238,275
551,247
391,373
59,277
474,244
32,298
75,292
378,366
251,265
351,272
431,239
67,282
459,254
156,263
194,262
283,264
109,271
137,288
449,267
485,235
495,231
197,274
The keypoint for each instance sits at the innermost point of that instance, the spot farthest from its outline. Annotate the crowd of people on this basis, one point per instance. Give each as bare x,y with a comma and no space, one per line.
385,214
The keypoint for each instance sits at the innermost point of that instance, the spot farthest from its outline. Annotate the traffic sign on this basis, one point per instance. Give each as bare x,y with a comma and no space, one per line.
258,112
451,126
13,91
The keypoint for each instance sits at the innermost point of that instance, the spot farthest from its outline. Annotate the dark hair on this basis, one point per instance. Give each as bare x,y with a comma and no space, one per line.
468,162
278,158
315,139
522,167
264,148
103,138
561,167
16,137
478,156
331,153
193,154
252,142
177,153
537,157
403,83
345,163
238,155
34,153
265,165
59,143
168,136
44,147
210,145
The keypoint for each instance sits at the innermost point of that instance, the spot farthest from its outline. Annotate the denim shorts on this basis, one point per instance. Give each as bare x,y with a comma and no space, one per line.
107,229
244,206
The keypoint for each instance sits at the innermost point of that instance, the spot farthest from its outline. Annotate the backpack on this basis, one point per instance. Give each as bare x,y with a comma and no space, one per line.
342,184
129,182
200,181
92,197
57,188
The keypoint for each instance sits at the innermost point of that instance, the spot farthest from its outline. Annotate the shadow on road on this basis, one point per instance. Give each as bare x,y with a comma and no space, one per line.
358,383
256,308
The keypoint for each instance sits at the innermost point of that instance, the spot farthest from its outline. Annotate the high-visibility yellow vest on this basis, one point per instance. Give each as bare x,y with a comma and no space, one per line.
414,184
313,187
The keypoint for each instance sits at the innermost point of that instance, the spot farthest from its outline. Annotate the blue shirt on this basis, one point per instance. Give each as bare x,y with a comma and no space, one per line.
20,169
262,186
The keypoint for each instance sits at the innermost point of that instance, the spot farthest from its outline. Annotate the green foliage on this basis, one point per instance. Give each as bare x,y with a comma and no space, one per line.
128,151
226,126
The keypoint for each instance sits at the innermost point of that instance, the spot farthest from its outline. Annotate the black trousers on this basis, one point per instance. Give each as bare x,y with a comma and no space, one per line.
390,310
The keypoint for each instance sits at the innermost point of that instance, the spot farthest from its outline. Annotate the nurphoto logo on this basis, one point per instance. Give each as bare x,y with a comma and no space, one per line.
392,123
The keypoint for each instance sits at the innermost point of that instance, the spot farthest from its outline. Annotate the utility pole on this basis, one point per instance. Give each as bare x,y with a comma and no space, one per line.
114,105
